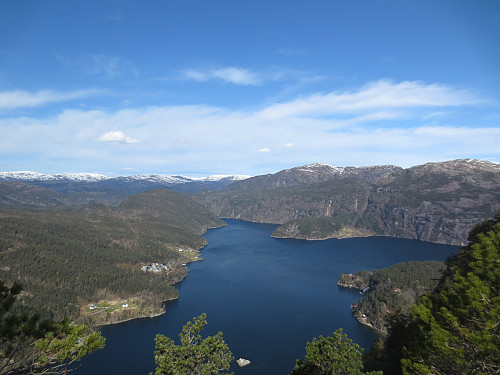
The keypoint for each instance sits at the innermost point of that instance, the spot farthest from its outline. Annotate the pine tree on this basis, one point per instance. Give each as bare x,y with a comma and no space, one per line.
458,325
194,355
31,345
336,354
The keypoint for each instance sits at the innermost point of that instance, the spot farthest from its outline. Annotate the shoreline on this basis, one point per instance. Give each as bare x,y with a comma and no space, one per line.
164,311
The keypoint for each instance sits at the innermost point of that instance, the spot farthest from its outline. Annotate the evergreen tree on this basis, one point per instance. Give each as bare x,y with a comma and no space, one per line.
194,355
458,325
30,344
336,354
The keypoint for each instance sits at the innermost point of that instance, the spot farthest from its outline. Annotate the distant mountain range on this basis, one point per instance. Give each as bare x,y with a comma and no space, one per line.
437,202
123,186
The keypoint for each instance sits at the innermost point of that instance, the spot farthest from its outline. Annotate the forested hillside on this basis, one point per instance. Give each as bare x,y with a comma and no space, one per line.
455,328
391,290
435,202
70,257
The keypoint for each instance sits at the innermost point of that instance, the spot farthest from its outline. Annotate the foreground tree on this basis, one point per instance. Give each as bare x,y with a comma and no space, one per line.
336,354
194,355
457,326
32,345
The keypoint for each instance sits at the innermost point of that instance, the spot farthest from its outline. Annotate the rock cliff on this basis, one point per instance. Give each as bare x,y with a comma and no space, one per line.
437,202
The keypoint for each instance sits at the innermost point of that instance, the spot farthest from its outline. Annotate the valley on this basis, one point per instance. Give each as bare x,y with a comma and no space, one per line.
79,239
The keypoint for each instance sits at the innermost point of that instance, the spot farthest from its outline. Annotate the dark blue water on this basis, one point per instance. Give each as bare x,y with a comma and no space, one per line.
269,296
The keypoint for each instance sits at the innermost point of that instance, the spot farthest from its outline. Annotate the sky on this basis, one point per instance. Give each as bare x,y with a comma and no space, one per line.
198,87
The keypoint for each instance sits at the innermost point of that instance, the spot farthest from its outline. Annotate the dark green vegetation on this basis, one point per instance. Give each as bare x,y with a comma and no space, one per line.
391,290
194,355
436,202
336,354
70,257
454,329
30,344
19,194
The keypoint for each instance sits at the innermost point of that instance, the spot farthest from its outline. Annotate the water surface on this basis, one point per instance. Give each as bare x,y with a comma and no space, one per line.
268,296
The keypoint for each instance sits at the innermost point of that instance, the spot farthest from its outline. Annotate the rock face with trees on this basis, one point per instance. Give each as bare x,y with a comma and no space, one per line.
436,202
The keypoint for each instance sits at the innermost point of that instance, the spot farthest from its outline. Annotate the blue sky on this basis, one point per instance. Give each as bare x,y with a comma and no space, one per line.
198,87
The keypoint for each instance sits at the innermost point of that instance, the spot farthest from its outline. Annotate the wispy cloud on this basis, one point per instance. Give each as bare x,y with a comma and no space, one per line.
20,98
99,64
237,76
376,96
116,136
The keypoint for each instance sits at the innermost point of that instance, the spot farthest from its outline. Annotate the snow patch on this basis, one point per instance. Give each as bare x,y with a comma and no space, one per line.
315,166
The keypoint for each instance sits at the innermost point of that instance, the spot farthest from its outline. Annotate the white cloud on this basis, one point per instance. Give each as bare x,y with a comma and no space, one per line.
380,95
180,139
233,75
20,98
115,136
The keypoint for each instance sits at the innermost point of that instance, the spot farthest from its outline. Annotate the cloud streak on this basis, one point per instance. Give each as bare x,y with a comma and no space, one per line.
376,96
20,98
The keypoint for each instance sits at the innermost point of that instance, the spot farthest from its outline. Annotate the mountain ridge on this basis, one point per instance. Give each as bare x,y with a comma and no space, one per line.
37,176
436,202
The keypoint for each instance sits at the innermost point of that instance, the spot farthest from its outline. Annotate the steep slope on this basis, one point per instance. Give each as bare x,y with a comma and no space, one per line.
435,202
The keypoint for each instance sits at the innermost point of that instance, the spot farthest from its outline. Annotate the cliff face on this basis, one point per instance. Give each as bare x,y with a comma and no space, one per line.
437,202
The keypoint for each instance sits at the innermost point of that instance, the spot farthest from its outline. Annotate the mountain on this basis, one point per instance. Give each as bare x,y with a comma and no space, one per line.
307,174
437,202
122,186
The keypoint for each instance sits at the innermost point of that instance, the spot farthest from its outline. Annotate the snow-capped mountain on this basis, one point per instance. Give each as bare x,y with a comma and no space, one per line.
24,176
79,182
35,176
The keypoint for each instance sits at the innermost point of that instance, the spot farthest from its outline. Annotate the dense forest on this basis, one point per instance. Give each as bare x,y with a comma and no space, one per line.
68,258
391,290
